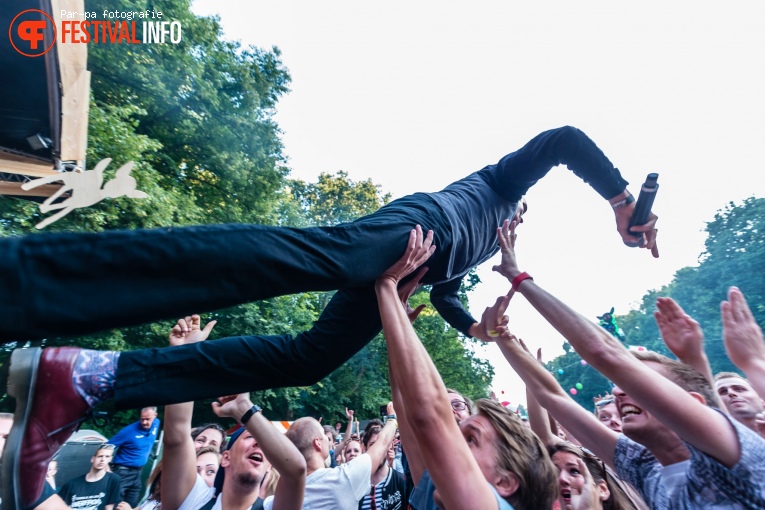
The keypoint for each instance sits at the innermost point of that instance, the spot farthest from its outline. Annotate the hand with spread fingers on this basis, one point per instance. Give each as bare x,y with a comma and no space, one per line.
506,235
418,250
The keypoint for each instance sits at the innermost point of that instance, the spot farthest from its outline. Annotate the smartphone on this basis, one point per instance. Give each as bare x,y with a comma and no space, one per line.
383,411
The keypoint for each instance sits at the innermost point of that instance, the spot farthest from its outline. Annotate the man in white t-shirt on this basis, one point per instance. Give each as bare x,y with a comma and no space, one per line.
339,488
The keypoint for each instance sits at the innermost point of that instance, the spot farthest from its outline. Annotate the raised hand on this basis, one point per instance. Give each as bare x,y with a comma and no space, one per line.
494,319
418,250
405,291
508,266
680,332
587,497
188,330
741,334
232,406
349,414
759,423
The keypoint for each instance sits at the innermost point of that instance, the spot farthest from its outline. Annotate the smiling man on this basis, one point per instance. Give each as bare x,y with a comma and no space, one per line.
740,399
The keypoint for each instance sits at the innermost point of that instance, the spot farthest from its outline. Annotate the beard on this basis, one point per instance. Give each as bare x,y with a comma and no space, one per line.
247,480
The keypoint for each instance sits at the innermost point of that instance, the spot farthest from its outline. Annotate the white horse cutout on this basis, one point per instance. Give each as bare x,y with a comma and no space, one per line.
86,189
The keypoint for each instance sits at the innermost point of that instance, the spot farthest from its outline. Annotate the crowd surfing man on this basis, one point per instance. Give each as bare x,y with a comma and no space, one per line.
151,269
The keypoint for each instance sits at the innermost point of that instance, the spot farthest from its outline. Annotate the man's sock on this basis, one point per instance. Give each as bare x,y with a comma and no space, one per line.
94,374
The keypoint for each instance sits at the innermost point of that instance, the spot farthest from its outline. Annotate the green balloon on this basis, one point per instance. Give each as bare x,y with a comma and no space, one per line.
578,386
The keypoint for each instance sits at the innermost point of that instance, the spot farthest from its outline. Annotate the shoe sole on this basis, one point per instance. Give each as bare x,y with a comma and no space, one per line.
21,386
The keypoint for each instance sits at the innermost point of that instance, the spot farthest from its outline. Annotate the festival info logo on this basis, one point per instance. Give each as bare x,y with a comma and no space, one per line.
32,33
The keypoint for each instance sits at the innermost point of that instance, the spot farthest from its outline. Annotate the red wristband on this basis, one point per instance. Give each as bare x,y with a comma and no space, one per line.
518,279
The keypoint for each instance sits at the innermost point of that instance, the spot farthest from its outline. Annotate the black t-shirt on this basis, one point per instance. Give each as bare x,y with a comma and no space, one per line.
390,494
80,494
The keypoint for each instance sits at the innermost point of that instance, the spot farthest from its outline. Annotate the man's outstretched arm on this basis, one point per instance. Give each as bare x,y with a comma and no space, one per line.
178,473
699,425
454,470
515,173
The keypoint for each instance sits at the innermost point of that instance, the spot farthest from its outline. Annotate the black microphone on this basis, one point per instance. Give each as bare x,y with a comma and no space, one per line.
643,207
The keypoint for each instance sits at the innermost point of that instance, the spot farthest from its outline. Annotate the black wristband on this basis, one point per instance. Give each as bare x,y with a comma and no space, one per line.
623,202
246,417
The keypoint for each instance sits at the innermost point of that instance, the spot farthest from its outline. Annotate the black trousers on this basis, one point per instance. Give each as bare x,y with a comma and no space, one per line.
158,274
348,257
130,483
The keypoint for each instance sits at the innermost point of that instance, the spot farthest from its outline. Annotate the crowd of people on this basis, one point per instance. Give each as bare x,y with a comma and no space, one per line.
669,435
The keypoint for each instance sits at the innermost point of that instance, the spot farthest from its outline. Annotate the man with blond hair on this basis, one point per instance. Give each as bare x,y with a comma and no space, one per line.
98,489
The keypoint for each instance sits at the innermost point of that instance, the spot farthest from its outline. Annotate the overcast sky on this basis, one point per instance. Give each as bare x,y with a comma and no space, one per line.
416,95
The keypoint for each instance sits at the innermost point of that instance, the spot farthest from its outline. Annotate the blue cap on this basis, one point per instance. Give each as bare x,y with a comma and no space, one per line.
221,474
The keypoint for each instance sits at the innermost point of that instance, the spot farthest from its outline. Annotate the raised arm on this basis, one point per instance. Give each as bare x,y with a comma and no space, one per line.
278,449
699,425
379,451
684,337
539,419
582,423
743,339
454,470
179,456
348,431
408,439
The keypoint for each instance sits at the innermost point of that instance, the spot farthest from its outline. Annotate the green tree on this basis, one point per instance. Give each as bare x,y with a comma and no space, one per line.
211,104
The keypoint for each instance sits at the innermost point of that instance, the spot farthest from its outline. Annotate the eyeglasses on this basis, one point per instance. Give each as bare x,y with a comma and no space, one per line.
459,405
106,446
604,402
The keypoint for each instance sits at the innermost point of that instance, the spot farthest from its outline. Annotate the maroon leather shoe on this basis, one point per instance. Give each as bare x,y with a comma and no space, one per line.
48,411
